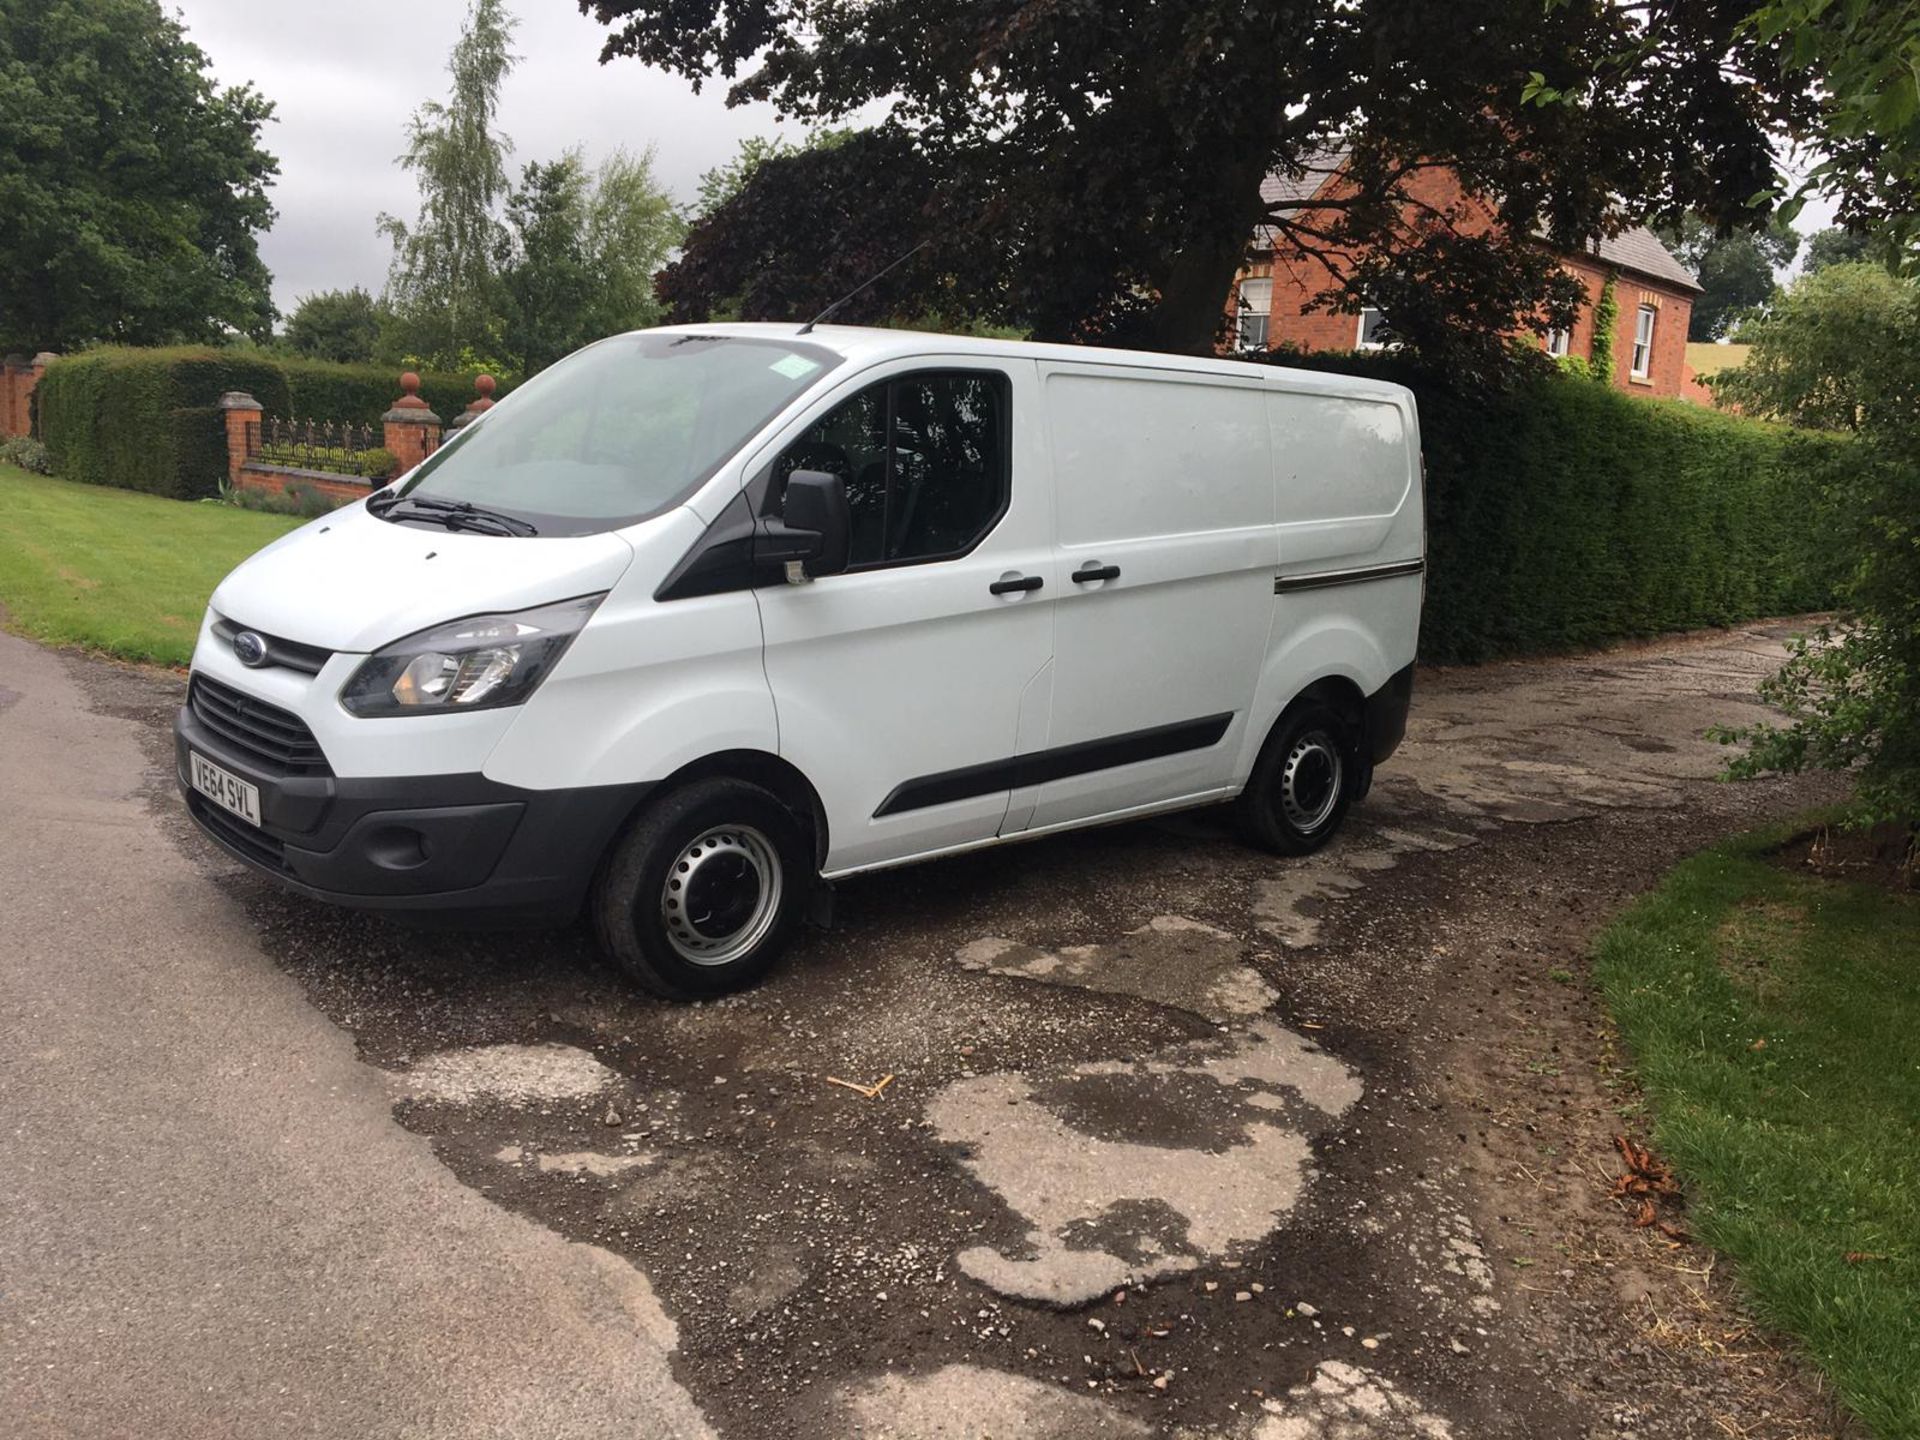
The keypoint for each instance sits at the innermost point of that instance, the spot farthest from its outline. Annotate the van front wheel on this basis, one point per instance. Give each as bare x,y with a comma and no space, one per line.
1302,783
704,891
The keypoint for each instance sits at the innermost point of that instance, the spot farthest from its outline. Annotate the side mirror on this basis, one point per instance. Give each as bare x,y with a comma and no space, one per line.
815,526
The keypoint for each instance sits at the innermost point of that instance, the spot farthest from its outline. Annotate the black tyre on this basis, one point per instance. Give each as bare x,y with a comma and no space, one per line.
703,892
1303,781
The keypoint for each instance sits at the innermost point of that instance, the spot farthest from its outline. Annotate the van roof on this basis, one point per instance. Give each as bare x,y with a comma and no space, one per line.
872,343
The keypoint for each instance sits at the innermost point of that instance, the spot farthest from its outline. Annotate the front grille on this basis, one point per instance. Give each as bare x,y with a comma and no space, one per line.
277,740
307,659
256,845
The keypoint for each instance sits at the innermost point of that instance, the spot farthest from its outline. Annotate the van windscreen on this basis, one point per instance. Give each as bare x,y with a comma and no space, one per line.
619,431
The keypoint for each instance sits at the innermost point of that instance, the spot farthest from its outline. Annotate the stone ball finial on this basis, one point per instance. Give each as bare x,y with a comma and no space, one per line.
410,409
410,403
485,384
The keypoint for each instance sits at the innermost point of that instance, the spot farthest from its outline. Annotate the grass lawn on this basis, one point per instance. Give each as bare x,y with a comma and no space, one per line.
1775,1018
114,571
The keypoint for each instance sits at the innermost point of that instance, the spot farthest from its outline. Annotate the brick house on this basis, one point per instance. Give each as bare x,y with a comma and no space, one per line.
1653,291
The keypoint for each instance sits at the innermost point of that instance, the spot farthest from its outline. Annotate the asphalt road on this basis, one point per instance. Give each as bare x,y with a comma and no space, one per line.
209,1223
1180,1139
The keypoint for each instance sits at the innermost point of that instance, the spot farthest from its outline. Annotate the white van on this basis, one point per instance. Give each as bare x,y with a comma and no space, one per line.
701,616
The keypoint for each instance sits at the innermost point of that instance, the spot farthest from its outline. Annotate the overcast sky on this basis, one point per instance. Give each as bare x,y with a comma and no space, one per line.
346,74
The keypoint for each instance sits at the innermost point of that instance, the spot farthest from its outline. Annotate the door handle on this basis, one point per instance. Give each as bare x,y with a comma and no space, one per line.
1015,582
1087,574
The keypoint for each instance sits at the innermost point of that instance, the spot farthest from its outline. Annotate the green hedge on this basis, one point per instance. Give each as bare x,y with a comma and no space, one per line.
1564,515
361,394
150,419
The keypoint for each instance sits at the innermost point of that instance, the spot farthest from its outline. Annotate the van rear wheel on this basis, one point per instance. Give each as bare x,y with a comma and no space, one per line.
703,892
1302,783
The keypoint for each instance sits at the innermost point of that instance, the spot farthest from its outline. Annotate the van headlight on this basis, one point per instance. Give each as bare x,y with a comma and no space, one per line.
480,663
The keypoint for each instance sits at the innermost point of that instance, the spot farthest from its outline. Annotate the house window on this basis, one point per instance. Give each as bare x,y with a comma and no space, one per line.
1643,342
1374,334
1256,305
1559,342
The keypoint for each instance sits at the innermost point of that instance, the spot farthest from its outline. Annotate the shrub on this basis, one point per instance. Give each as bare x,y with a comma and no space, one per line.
27,453
296,499
379,463
1564,515
148,420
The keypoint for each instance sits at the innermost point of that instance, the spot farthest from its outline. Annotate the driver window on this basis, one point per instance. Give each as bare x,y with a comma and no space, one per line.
924,461
850,442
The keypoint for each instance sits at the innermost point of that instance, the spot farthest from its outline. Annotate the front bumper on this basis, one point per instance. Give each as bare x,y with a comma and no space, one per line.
428,842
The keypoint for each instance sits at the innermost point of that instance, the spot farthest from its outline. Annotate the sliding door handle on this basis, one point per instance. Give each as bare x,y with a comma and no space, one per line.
1008,583
1087,574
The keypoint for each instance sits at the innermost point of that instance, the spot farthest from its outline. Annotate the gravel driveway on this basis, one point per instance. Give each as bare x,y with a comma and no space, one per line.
1141,1132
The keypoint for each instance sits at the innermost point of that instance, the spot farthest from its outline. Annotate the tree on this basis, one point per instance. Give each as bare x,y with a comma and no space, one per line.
1835,246
1832,354
338,325
442,288
1096,170
723,182
1864,59
1844,351
546,279
580,253
132,188
811,223
1735,269
632,226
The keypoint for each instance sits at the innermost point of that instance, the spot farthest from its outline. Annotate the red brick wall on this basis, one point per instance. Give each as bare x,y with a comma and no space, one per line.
1673,309
1298,277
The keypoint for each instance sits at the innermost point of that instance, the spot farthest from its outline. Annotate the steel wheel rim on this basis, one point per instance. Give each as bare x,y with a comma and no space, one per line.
1310,781
721,895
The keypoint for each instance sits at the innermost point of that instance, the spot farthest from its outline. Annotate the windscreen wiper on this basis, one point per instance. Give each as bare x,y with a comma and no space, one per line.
454,514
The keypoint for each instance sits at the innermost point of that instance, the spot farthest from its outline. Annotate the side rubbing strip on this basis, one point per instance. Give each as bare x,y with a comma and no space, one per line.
1056,764
1285,583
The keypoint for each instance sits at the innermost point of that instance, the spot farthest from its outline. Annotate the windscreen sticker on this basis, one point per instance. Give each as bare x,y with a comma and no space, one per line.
794,367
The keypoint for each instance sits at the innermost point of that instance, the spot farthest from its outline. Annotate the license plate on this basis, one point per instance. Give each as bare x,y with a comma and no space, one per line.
224,788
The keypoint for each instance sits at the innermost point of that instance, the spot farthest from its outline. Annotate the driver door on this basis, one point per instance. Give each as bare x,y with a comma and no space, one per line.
906,686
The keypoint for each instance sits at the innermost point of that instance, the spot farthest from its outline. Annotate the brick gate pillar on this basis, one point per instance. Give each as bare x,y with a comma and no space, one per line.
14,385
478,406
40,363
411,429
242,413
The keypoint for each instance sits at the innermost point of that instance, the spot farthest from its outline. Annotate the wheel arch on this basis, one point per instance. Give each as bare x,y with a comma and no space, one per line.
770,772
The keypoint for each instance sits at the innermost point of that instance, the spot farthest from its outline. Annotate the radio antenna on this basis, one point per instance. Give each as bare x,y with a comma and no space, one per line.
866,284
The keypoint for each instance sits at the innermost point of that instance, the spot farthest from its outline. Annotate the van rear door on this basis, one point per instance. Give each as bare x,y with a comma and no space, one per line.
1163,570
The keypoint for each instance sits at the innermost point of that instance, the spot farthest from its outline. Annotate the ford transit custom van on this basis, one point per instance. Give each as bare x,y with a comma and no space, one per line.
701,617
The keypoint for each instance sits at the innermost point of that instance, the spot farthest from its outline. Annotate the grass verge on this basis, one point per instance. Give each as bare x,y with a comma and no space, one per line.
1775,1019
113,571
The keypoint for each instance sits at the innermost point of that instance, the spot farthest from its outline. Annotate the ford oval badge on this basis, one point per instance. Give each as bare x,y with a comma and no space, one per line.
249,649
